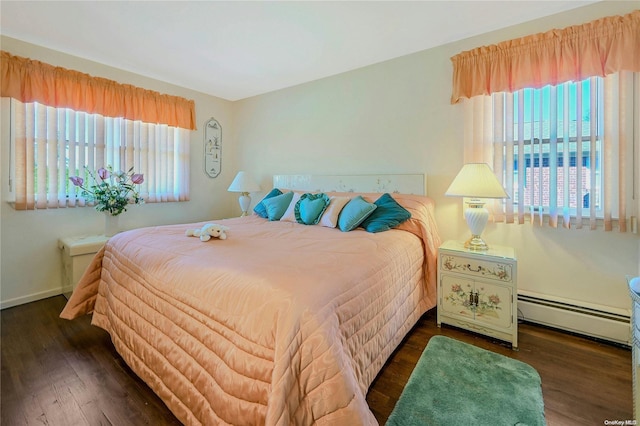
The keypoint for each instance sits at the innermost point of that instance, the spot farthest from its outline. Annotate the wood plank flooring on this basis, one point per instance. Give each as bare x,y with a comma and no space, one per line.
58,372
584,382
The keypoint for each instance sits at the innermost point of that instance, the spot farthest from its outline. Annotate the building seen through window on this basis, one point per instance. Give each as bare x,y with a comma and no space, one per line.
560,129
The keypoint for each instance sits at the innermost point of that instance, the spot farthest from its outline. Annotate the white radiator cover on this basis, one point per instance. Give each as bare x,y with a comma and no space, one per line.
602,322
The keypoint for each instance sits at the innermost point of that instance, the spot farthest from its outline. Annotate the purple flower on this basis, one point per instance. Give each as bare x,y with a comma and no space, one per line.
110,191
103,173
77,181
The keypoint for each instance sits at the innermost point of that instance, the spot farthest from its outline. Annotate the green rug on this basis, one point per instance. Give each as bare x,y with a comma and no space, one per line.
458,384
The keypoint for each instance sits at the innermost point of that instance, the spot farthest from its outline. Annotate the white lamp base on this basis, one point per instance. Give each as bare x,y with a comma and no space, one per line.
245,203
477,217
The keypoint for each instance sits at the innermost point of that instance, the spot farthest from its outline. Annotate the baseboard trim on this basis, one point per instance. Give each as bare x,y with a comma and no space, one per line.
33,297
594,321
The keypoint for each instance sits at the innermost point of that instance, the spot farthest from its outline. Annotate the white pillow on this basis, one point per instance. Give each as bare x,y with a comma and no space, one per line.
290,215
330,216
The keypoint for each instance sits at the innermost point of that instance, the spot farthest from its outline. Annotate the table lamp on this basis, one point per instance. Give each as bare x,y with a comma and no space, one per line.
244,184
476,181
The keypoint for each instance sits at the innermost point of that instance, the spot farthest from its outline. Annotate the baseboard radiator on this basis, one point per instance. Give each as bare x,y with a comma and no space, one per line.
595,321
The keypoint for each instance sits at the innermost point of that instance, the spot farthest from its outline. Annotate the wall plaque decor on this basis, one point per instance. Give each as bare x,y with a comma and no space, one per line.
212,147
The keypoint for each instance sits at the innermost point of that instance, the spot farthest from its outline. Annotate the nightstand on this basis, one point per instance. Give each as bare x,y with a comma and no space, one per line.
477,290
77,253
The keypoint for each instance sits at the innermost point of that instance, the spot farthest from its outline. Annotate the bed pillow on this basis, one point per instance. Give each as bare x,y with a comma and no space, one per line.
276,206
260,209
330,216
310,207
289,215
356,211
388,215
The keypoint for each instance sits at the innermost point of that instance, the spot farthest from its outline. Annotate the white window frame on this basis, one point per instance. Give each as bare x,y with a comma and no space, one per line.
540,135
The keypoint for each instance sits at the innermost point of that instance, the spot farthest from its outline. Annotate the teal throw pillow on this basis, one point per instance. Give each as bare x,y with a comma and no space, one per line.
352,215
388,215
260,209
310,207
276,206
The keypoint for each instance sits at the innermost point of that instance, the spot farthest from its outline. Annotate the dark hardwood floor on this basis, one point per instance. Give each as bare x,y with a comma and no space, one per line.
584,382
58,372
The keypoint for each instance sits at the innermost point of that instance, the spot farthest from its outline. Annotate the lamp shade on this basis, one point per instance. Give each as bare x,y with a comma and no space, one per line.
476,180
243,182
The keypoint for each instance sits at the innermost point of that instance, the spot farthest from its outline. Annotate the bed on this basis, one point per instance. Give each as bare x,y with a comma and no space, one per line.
280,323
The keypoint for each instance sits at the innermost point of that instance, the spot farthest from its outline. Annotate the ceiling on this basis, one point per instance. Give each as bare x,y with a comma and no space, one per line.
238,49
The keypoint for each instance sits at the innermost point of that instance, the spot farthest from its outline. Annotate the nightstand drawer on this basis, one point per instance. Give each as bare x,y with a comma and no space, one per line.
478,268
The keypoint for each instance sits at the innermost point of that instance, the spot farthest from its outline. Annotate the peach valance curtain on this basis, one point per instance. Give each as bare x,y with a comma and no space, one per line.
29,80
597,48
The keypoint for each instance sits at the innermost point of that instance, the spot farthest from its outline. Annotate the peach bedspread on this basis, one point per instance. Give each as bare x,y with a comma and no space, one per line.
279,324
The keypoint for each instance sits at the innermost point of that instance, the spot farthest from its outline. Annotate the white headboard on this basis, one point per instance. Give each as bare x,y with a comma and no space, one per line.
404,184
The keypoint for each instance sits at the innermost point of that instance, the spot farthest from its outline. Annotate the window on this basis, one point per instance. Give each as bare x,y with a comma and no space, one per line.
556,136
563,146
50,144
564,153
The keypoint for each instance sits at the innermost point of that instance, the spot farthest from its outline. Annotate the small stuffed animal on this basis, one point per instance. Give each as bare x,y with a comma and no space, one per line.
207,231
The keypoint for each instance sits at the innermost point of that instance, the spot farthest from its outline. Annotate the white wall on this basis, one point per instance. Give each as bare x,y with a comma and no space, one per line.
30,263
396,117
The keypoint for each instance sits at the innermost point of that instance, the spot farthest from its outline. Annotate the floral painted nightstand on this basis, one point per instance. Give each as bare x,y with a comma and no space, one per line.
477,290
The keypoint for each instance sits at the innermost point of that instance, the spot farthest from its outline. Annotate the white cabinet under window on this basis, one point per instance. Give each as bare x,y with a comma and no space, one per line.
77,254
477,290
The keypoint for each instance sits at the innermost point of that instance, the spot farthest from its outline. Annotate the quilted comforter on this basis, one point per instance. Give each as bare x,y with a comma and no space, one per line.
279,324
